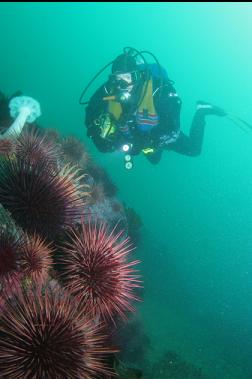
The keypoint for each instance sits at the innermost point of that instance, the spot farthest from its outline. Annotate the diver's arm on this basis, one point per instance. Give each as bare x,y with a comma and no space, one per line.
95,109
104,145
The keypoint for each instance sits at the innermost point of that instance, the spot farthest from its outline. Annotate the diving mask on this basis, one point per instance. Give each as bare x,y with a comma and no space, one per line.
124,80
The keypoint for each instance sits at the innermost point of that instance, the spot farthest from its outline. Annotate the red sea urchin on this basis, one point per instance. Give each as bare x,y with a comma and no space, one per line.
36,259
6,147
38,198
96,194
34,147
10,248
72,149
47,337
96,271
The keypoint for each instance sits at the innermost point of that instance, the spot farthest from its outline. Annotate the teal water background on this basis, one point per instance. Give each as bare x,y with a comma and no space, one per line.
196,241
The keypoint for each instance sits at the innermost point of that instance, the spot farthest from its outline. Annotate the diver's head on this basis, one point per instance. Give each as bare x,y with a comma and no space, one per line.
124,63
125,78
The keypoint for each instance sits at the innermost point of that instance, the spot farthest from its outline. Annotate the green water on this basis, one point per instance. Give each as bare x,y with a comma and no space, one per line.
196,246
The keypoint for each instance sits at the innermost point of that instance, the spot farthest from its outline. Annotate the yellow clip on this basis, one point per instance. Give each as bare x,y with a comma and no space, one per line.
148,150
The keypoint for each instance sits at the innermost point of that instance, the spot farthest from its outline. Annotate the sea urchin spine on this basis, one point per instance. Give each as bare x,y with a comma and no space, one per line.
36,259
46,337
96,270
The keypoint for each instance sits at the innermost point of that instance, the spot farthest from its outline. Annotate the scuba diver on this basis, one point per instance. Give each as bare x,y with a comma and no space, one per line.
138,111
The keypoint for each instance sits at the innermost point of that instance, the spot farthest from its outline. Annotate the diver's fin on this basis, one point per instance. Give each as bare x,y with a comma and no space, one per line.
237,124
242,124
210,109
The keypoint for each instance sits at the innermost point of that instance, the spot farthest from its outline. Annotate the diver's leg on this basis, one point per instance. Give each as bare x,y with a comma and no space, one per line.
192,144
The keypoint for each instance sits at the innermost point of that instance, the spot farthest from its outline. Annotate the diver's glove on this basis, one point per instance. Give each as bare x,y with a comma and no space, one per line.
166,139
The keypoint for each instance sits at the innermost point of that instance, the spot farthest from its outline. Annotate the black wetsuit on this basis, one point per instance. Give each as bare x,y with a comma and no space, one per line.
166,135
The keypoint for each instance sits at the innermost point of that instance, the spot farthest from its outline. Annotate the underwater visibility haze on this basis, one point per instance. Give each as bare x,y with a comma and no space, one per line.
190,218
